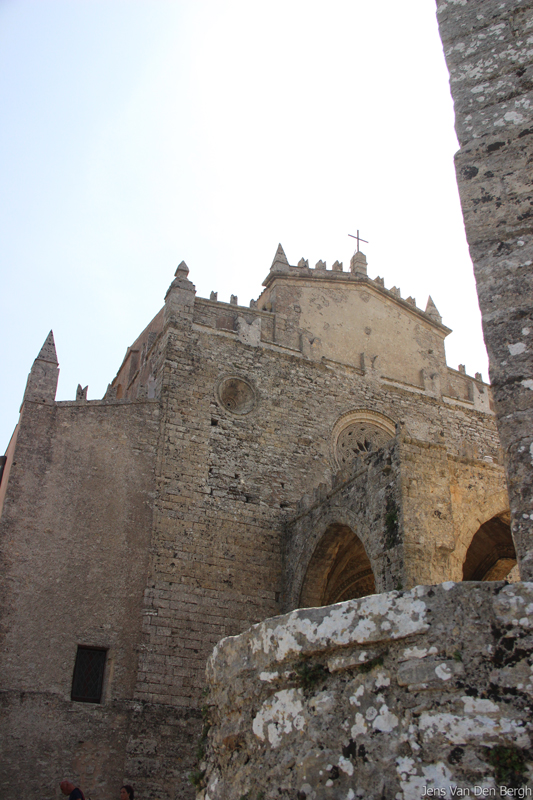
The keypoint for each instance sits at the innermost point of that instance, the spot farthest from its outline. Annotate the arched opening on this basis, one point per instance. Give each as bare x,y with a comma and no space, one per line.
491,555
120,392
339,569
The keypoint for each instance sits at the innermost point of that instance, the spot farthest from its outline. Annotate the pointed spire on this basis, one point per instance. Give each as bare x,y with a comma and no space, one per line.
179,299
48,350
41,386
182,271
432,311
181,281
280,263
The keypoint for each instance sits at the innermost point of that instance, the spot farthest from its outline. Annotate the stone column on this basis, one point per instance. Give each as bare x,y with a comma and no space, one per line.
490,60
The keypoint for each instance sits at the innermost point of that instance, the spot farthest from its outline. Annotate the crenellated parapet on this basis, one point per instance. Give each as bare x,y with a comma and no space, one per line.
358,272
328,315
463,389
321,314
347,317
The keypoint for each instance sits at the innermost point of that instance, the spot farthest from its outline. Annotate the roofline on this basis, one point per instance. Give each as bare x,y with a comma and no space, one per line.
348,277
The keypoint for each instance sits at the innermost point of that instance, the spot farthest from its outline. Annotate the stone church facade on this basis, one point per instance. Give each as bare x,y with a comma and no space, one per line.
312,448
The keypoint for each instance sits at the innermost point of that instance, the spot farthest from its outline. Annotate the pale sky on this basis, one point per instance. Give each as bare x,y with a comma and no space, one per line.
140,133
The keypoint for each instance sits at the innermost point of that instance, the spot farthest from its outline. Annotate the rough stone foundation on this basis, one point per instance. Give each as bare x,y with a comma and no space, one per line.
397,695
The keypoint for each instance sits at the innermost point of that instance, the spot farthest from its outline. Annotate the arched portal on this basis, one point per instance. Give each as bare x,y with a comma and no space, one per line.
491,555
339,569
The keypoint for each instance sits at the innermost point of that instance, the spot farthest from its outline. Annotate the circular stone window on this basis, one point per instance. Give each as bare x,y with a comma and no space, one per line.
361,437
358,432
236,395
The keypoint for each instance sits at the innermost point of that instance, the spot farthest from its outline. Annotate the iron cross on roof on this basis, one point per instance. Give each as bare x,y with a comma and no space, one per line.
358,239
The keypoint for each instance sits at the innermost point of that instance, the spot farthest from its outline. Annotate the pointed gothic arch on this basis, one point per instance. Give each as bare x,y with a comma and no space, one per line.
338,570
491,554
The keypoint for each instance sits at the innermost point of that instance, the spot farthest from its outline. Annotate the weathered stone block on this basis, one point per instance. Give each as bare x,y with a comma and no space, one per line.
297,708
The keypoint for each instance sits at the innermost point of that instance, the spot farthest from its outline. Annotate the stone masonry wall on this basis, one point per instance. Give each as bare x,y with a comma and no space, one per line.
74,536
393,696
487,44
445,498
227,483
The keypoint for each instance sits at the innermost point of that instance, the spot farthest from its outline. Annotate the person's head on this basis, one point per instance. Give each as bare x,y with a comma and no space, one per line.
66,787
126,792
